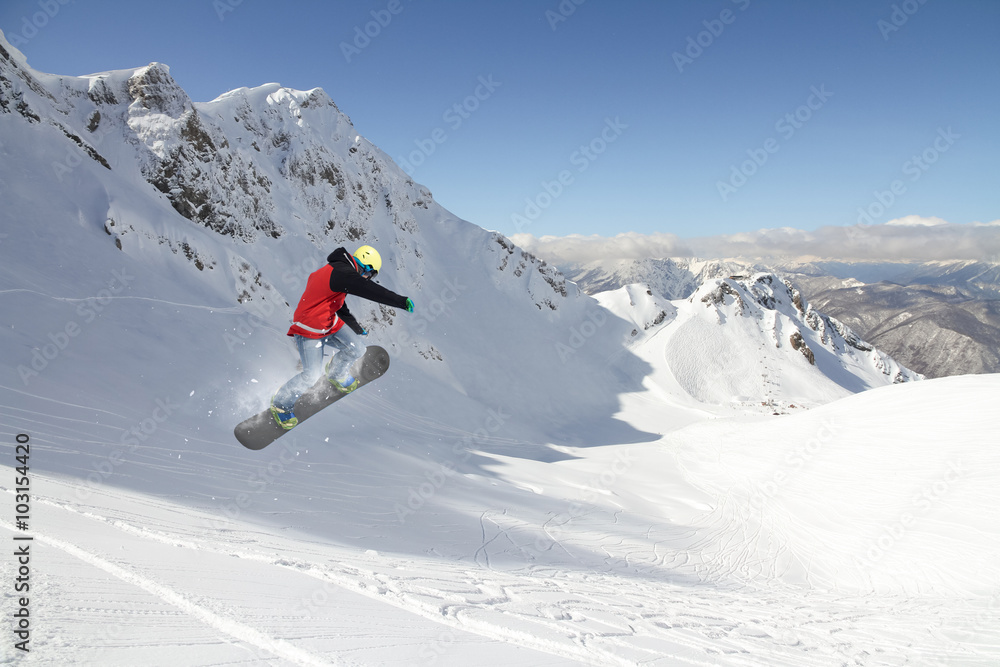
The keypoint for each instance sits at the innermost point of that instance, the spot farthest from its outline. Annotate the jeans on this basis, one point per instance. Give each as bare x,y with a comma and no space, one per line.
349,349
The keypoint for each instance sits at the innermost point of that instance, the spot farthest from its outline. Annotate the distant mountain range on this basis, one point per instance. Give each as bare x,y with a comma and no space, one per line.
937,318
749,342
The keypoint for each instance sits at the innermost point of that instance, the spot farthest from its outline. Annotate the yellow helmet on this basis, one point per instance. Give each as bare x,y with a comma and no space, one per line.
369,256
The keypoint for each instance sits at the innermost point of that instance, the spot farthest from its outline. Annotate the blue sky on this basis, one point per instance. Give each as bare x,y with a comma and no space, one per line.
687,118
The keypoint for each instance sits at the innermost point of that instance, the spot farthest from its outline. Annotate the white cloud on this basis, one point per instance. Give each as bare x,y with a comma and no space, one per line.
577,249
917,221
912,238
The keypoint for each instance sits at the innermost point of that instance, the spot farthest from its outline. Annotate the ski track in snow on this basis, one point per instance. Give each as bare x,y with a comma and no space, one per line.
638,609
590,617
232,310
228,626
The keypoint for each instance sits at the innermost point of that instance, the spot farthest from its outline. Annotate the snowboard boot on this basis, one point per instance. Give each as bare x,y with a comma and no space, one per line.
286,418
345,384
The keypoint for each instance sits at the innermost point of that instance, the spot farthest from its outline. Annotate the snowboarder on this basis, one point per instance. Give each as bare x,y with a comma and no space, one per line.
319,321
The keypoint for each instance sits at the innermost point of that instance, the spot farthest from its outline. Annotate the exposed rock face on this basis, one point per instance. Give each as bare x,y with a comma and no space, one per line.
938,318
937,330
778,304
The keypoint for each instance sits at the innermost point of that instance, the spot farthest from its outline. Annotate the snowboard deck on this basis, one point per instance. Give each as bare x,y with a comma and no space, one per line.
261,430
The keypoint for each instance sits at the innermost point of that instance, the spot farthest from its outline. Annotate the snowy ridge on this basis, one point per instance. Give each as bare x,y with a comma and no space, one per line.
768,292
670,277
937,318
749,343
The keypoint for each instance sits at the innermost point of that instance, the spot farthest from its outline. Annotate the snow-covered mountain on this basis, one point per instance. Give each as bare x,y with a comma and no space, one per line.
670,278
937,318
939,330
980,278
232,203
245,195
750,342
741,335
542,477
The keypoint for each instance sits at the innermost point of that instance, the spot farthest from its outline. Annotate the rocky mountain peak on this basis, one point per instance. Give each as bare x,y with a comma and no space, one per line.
785,315
154,91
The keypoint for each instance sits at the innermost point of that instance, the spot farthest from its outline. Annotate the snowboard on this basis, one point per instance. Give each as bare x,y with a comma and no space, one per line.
261,430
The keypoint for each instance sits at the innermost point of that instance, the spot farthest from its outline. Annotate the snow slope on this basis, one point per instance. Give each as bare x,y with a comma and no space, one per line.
937,318
748,343
222,209
529,484
862,532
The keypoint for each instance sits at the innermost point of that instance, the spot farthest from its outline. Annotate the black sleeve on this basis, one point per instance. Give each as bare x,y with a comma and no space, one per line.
345,314
352,282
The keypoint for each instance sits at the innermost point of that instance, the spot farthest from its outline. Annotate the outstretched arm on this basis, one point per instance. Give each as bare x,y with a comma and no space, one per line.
352,283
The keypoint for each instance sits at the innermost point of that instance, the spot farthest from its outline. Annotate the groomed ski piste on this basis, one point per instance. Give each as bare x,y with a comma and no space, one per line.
541,478
862,532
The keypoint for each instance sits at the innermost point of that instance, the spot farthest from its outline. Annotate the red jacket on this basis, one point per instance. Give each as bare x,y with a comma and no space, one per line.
322,311
316,315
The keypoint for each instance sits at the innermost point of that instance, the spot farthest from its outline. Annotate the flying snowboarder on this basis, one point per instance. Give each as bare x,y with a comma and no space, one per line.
319,321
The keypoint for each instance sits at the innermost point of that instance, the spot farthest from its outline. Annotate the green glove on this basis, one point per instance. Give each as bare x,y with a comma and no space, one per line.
409,305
